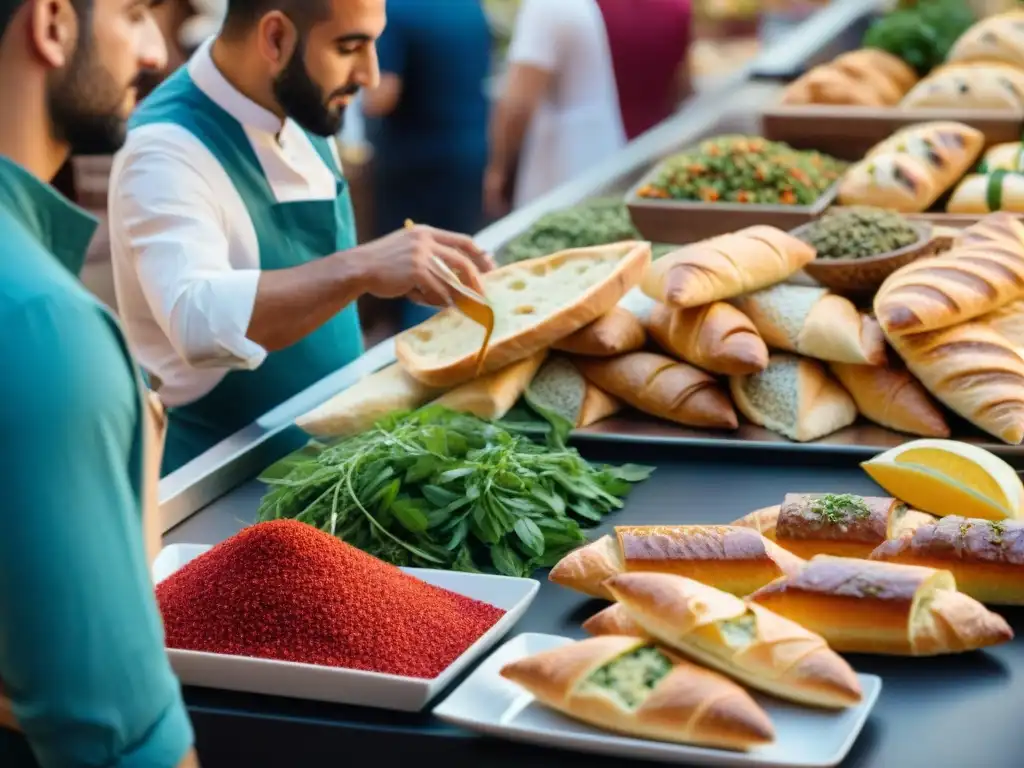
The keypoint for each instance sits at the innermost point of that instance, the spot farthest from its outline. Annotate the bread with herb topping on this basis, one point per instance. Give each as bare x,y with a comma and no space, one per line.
748,643
985,557
815,323
867,606
716,337
794,396
631,686
733,559
893,398
726,266
844,525
947,148
894,180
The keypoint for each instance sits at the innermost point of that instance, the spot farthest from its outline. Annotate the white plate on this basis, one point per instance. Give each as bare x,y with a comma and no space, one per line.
488,703
346,686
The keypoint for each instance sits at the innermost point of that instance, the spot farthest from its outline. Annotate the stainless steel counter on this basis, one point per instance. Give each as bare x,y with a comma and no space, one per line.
238,459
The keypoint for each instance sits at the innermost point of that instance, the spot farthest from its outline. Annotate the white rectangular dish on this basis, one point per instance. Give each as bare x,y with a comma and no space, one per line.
346,686
488,703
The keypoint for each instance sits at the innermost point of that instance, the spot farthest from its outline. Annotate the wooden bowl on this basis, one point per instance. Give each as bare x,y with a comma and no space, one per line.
865,275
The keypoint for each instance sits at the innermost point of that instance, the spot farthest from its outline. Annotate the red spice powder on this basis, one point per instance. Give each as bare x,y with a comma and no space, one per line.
285,590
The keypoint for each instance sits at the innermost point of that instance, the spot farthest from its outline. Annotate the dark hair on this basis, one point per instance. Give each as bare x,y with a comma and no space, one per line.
243,14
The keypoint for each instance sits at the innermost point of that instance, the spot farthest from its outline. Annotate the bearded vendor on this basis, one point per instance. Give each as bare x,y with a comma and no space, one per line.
232,234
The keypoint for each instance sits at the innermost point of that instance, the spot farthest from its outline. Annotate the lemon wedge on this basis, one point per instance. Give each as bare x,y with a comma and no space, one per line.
947,477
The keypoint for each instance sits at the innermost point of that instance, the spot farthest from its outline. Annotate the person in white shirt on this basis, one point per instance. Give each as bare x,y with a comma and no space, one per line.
232,234
584,77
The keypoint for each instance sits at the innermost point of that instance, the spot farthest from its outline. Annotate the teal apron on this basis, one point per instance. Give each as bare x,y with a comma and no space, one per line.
289,234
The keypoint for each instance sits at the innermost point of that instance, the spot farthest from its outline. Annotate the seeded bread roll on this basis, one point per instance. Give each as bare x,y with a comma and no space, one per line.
865,606
662,387
746,642
735,560
630,686
617,332
893,398
794,396
814,323
985,557
716,337
843,525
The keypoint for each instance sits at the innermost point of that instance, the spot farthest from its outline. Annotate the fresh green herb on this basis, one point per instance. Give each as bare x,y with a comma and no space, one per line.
632,676
440,489
840,507
858,232
998,529
965,528
922,34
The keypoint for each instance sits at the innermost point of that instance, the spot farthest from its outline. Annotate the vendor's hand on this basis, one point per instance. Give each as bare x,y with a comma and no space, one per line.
401,264
496,204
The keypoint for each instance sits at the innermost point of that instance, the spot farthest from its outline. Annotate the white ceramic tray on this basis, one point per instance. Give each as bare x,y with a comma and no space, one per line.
488,703
346,686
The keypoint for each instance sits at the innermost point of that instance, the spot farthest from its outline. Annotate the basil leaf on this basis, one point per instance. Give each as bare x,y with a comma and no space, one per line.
506,561
438,496
410,516
530,536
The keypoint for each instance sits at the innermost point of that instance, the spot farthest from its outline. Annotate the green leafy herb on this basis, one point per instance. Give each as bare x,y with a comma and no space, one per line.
440,489
921,34
839,507
998,529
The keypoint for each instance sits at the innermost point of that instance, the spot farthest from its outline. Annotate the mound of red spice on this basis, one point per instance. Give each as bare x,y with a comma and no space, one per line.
285,590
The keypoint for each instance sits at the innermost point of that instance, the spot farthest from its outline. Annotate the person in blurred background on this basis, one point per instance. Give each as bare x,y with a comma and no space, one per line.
430,131
83,670
232,231
584,77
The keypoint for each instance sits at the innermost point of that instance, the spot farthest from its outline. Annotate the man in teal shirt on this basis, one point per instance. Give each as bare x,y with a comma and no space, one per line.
83,671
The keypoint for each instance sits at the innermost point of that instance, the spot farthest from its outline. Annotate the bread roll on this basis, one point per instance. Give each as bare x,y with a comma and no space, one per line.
748,643
493,394
974,371
617,332
844,525
894,67
736,560
894,180
947,148
1001,229
965,283
536,303
996,38
892,398
864,73
828,85
725,266
814,323
1008,322
969,86
561,389
366,402
630,686
716,337
984,193
865,606
794,396
985,557
662,387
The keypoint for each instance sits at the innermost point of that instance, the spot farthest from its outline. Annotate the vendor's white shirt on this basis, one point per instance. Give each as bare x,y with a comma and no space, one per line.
184,249
578,124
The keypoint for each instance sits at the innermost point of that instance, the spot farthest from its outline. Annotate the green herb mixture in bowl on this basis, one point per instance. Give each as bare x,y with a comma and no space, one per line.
743,169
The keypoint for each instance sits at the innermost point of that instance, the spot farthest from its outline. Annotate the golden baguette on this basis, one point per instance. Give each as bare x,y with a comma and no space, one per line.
974,371
866,606
603,681
746,642
735,560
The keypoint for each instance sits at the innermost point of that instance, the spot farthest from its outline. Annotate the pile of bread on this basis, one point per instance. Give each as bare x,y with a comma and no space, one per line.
984,70
769,602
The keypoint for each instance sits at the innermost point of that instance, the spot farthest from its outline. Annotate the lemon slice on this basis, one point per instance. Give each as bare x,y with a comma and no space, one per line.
946,477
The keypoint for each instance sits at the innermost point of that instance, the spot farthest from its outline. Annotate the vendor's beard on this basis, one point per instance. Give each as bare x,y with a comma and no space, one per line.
85,105
304,101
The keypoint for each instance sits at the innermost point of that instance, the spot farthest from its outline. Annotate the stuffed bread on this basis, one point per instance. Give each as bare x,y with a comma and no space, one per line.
559,388
986,192
894,180
735,560
949,149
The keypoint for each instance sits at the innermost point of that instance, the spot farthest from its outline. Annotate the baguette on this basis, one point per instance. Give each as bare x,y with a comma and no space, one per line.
988,192
559,388
366,402
536,303
965,283
866,606
814,323
613,620
617,332
892,398
843,525
630,686
726,266
974,371
493,394
716,337
750,644
735,560
794,396
985,557
1008,322
662,387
